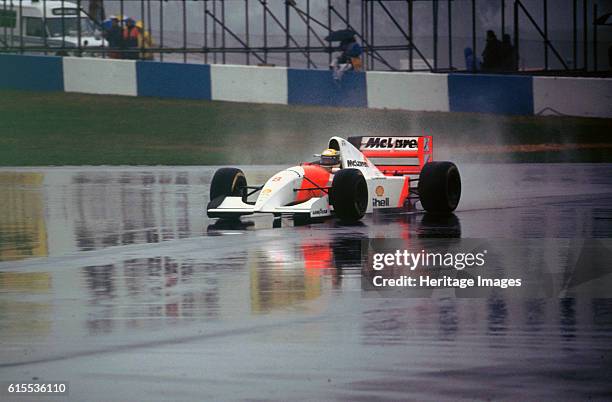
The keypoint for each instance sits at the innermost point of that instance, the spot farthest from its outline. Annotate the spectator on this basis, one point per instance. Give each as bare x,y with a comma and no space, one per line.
145,41
508,54
349,58
130,39
469,60
491,56
114,37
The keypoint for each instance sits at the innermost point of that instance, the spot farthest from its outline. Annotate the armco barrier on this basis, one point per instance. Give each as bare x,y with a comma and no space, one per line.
37,73
482,93
173,80
416,91
317,87
249,84
100,76
572,96
503,94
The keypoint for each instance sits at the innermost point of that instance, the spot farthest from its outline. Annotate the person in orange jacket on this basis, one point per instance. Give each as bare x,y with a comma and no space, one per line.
130,39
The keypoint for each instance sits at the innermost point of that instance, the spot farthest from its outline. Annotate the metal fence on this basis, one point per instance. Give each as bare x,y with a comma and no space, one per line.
561,36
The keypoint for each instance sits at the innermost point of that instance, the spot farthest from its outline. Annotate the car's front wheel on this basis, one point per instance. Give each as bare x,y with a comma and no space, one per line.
225,182
349,195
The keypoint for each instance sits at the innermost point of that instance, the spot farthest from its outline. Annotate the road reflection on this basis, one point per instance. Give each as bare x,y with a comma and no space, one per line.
29,317
23,232
56,211
149,292
131,264
122,208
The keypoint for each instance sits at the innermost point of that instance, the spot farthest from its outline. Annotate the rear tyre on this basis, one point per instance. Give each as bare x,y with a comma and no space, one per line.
440,187
349,195
225,183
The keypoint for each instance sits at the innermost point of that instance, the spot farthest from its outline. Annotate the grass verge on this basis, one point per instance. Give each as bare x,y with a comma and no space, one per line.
75,129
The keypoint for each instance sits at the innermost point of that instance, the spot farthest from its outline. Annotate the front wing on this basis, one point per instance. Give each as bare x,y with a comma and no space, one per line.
235,206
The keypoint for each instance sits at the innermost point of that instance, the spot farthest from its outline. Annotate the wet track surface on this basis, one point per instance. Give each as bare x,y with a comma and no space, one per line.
113,279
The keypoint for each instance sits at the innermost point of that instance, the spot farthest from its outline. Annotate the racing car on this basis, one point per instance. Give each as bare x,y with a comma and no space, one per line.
352,177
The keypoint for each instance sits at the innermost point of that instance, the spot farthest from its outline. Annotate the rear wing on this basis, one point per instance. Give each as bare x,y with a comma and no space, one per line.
396,156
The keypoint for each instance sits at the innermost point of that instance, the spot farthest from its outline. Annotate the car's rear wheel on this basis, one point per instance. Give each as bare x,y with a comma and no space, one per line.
349,195
439,187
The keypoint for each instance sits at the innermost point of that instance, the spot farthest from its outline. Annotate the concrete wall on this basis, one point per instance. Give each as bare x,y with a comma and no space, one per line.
417,91
249,84
173,80
317,87
481,93
37,73
100,76
572,96
502,94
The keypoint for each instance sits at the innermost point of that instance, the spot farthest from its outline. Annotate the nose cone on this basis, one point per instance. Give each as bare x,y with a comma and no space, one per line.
279,190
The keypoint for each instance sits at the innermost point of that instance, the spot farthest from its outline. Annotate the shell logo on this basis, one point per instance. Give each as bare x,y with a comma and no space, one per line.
380,191
266,191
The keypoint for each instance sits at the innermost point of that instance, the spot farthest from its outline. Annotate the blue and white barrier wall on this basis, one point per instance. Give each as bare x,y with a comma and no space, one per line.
99,76
481,93
590,97
36,73
248,84
415,91
171,80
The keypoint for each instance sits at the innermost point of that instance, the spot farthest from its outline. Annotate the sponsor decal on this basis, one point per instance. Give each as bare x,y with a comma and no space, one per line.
380,191
319,212
355,163
376,203
277,178
391,143
266,191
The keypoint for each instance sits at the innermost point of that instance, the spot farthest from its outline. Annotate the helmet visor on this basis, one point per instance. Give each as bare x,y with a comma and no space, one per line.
330,160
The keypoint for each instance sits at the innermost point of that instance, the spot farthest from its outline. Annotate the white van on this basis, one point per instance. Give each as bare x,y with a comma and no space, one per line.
51,23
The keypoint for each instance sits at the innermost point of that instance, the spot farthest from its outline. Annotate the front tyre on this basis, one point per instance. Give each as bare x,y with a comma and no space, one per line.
226,182
439,187
349,195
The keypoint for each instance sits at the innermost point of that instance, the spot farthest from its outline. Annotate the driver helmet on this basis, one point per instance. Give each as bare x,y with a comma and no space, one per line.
330,157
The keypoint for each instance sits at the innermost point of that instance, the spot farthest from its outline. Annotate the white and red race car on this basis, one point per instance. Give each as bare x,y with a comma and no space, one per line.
374,173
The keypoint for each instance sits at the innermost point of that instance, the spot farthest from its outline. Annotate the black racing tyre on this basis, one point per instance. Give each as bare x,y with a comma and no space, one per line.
439,187
349,195
227,182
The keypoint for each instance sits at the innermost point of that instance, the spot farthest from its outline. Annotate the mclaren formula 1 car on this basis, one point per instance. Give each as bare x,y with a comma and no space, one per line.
351,178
